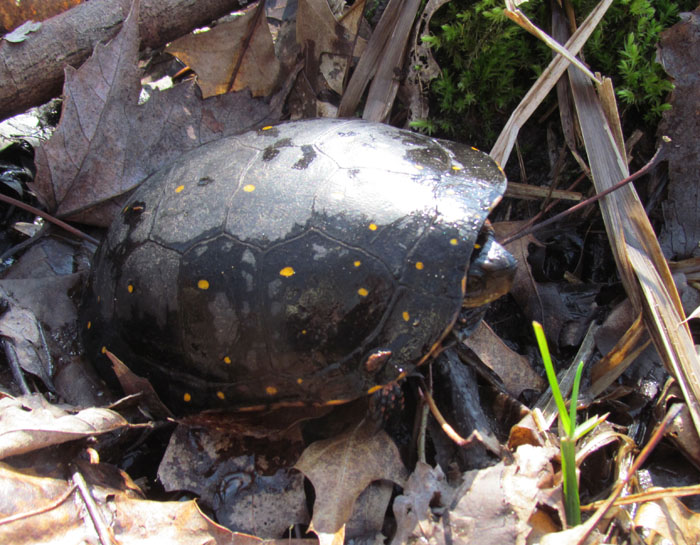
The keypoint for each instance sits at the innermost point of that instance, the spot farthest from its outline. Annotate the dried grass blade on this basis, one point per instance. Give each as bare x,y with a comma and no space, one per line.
518,17
544,84
382,90
643,269
370,59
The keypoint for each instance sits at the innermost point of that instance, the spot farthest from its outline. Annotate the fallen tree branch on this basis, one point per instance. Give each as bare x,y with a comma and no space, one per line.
31,72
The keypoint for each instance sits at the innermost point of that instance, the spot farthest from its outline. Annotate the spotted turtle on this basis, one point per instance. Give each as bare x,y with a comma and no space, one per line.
306,263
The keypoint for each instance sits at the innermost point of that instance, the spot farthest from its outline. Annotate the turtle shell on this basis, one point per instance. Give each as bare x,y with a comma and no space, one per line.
305,263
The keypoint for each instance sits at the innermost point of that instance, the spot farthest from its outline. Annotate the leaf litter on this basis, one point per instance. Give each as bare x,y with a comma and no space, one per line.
107,142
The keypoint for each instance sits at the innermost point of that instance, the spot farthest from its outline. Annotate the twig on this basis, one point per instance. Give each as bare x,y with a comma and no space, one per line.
641,172
474,436
15,366
49,217
104,533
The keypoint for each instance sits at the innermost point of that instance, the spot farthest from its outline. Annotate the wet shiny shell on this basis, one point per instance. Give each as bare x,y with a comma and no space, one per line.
308,262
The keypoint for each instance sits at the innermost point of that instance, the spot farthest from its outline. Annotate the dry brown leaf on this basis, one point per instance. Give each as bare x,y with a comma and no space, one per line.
671,519
680,432
91,138
133,384
53,512
333,66
329,46
426,488
512,368
528,431
243,45
342,467
38,308
256,494
106,144
30,423
369,514
318,31
573,536
40,316
679,54
494,505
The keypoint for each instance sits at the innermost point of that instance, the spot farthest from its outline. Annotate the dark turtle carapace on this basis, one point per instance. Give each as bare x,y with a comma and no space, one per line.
311,262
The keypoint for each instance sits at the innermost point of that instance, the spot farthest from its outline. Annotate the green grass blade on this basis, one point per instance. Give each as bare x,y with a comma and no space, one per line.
589,425
572,505
574,401
551,375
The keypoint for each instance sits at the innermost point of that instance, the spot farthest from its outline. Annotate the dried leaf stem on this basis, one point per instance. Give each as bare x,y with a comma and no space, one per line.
49,218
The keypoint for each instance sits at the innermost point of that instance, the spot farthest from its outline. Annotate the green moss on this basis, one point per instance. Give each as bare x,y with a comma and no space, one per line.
488,63
624,48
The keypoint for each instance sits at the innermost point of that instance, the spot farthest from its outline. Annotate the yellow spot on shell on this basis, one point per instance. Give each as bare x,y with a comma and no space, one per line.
89,324
130,288
419,167
287,272
300,380
406,316
187,397
357,263
249,188
203,284
271,390
179,189
220,395
456,167
374,389
227,360
419,265
363,292
372,226
454,241
477,246
475,149
303,331
103,350
336,401
266,128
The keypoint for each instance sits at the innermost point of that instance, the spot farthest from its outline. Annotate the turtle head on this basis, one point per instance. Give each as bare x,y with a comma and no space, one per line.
491,270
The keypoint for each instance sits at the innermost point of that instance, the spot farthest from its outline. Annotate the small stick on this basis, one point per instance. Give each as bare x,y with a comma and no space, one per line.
103,531
474,436
641,172
49,217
